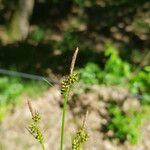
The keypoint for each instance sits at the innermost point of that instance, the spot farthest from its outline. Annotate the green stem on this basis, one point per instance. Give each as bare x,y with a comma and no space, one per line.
66,96
42,145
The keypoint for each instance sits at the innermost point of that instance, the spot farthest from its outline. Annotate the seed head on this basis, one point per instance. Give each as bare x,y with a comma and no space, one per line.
34,129
68,82
79,139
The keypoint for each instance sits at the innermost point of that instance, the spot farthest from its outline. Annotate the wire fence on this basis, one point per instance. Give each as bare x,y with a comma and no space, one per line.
28,76
48,80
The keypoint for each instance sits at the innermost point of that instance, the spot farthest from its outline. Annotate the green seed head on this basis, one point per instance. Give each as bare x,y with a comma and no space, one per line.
79,139
34,129
69,81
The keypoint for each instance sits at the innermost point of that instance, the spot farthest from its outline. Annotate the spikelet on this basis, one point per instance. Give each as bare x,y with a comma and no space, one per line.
79,139
68,82
34,128
81,136
36,117
73,78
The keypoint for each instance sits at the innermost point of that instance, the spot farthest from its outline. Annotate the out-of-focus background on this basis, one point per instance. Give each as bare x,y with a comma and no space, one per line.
37,40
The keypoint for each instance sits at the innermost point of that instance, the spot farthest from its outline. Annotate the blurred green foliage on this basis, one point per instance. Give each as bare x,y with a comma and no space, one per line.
69,41
37,35
81,3
86,24
140,83
91,74
125,126
118,72
11,90
115,71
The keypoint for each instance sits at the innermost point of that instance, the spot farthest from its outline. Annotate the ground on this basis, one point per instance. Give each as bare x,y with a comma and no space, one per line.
14,135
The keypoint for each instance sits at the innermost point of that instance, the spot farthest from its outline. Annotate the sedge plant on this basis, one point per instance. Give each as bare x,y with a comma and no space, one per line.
65,90
81,136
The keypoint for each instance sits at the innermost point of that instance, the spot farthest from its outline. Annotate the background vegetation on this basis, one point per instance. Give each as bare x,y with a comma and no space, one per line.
38,36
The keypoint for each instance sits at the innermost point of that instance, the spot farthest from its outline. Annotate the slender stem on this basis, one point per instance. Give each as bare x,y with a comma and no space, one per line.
42,145
66,96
